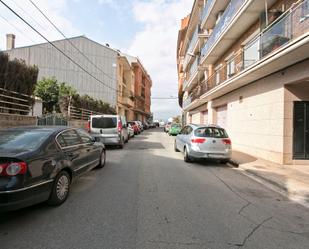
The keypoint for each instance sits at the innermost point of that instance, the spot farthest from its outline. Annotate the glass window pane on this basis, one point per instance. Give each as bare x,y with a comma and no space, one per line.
71,138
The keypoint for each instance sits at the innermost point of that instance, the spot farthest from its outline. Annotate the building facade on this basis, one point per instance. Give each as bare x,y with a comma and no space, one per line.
126,81
101,63
244,66
142,90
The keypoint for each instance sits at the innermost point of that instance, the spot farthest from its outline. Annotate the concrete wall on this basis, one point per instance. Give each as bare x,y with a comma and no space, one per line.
10,120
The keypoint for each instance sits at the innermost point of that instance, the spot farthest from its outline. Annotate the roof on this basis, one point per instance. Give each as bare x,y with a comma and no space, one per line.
70,38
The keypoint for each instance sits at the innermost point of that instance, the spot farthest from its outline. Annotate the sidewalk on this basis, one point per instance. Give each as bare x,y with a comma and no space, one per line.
290,180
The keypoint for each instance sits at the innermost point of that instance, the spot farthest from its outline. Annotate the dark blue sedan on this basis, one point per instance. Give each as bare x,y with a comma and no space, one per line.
38,164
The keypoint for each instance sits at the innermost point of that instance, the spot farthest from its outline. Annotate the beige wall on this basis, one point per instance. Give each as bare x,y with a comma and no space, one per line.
260,115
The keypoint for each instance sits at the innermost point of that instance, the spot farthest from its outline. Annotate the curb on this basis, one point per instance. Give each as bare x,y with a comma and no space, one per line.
269,181
233,164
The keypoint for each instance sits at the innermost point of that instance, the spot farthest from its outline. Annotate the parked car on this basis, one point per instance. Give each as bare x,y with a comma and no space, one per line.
145,125
175,129
204,142
135,126
38,164
109,129
167,127
161,124
130,130
140,124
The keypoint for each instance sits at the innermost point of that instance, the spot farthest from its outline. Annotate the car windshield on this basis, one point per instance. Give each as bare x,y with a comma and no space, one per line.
22,140
211,132
104,122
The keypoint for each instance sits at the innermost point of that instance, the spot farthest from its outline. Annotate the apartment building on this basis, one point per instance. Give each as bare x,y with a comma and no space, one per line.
142,90
244,66
126,81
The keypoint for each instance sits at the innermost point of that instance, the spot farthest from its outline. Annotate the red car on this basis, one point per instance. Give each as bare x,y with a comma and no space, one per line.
135,127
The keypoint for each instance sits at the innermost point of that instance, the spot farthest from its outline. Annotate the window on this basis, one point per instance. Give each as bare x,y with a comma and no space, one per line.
104,122
85,137
211,132
22,139
217,75
230,68
70,138
61,141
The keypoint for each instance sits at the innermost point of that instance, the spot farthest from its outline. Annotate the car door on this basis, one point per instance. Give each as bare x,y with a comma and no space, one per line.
187,136
180,138
70,143
90,151
125,128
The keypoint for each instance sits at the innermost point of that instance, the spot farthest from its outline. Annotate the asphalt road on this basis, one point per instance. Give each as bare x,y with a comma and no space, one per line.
147,197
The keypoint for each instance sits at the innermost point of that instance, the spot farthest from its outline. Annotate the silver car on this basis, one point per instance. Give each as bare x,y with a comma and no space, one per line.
109,129
204,142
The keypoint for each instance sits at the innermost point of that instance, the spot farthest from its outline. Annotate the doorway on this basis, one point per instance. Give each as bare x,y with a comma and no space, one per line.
301,130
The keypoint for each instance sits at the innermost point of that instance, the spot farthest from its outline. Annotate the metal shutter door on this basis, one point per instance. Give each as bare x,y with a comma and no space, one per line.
222,116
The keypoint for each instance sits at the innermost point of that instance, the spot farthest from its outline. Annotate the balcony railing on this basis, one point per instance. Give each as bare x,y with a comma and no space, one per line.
285,29
206,10
224,21
194,39
191,45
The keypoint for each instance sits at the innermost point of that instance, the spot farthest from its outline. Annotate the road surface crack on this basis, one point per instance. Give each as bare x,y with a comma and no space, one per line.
252,232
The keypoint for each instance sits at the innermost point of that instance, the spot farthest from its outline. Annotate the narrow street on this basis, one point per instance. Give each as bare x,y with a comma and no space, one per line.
147,197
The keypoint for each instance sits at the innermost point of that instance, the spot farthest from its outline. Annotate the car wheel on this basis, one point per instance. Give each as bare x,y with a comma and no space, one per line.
224,161
102,159
175,147
186,157
60,190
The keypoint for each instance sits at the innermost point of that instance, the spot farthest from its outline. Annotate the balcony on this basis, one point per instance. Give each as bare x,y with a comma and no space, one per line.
222,24
194,74
210,12
283,43
191,47
237,18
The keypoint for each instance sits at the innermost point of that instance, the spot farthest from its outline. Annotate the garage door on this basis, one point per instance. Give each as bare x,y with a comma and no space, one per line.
196,118
204,117
222,116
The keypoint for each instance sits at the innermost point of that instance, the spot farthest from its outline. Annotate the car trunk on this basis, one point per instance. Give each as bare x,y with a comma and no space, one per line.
105,126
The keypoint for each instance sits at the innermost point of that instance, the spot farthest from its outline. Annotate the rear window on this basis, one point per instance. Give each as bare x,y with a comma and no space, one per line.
211,132
104,123
21,140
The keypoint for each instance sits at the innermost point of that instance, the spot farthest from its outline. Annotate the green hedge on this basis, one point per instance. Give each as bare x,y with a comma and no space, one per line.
16,75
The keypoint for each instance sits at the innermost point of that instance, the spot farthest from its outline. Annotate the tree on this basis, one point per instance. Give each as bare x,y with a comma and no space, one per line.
48,90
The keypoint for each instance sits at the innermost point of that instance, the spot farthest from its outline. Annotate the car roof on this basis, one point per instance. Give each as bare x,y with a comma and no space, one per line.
104,116
51,129
206,125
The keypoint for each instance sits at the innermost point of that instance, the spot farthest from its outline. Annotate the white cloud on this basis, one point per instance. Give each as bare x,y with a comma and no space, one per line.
55,10
156,47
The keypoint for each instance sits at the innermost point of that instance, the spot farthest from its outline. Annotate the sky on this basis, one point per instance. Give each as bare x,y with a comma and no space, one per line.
144,28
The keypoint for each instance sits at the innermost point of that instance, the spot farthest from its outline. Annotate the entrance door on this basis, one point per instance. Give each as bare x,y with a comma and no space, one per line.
301,130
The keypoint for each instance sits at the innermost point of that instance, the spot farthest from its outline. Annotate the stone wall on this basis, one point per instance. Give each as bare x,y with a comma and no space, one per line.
78,123
14,120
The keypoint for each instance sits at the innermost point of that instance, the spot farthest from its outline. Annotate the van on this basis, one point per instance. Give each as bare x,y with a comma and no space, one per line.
109,129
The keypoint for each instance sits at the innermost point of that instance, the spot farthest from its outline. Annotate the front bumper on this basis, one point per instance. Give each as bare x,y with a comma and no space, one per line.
20,198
